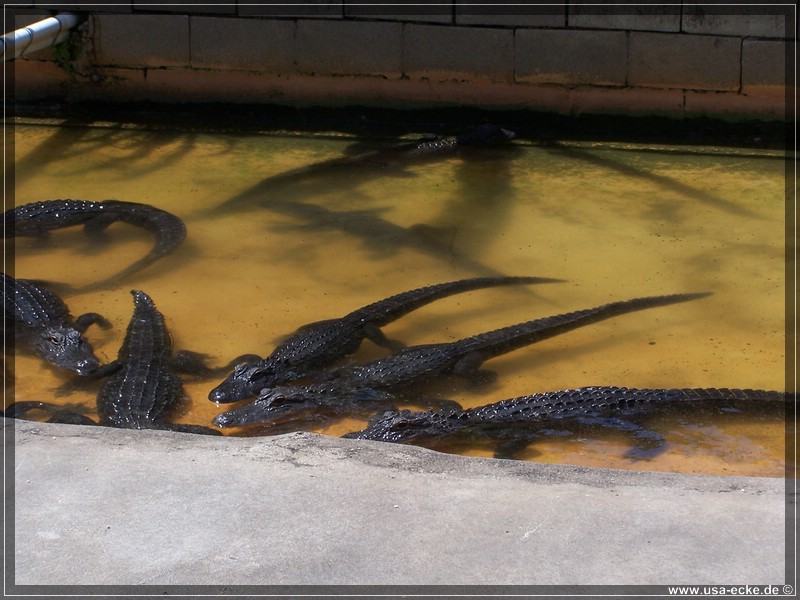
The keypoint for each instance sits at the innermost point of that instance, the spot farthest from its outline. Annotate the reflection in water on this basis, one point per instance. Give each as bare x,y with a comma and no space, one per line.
312,247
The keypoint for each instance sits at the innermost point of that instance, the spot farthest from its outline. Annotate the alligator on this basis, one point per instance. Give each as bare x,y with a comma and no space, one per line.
145,389
355,166
142,388
37,219
482,135
518,417
43,324
319,344
375,382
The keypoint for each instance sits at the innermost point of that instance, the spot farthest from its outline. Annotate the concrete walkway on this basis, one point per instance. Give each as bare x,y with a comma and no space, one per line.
104,506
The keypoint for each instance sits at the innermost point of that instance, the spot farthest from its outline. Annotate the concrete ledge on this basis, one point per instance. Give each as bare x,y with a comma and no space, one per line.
37,79
156,508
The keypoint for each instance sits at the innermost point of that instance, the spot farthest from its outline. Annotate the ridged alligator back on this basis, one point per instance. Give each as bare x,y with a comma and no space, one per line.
415,363
392,308
570,403
32,305
144,390
319,344
536,409
38,218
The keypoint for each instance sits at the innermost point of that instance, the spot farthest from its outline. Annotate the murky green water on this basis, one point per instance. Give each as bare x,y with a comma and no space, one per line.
618,221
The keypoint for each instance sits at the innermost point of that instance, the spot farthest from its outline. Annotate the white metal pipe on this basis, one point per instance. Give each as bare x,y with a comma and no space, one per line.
41,34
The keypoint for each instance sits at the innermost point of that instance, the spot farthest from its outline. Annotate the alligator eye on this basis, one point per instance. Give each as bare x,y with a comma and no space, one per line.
239,369
56,338
276,400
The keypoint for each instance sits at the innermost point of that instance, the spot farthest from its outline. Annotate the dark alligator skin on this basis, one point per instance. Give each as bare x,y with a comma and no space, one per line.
319,344
482,135
537,410
144,391
43,324
39,218
373,381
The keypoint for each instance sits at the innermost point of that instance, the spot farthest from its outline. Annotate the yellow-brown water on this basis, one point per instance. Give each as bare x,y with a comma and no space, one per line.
617,221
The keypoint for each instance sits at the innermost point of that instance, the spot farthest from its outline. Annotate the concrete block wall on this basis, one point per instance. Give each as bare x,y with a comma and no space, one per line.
675,60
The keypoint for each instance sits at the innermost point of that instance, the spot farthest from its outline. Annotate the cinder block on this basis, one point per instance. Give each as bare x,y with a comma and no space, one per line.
684,61
468,53
185,7
349,48
569,57
618,16
306,8
764,65
509,15
142,40
715,20
247,44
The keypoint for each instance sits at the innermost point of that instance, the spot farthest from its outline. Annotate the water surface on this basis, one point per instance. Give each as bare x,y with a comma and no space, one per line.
267,252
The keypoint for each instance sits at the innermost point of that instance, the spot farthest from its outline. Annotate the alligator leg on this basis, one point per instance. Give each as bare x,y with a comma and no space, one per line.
469,367
374,334
86,381
95,229
83,322
647,444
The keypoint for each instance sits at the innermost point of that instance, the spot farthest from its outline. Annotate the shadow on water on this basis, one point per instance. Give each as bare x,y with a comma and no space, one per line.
480,207
668,183
484,184
132,152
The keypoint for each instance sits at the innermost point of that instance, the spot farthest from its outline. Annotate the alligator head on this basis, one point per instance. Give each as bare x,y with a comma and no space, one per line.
278,402
65,347
484,135
270,404
245,381
404,426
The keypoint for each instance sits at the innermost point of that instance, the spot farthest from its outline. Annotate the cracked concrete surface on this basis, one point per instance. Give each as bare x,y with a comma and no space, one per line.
96,505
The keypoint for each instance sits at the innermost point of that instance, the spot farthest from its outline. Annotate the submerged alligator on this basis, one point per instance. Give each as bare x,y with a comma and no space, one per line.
143,388
520,417
482,135
319,344
362,386
37,219
43,324
354,165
